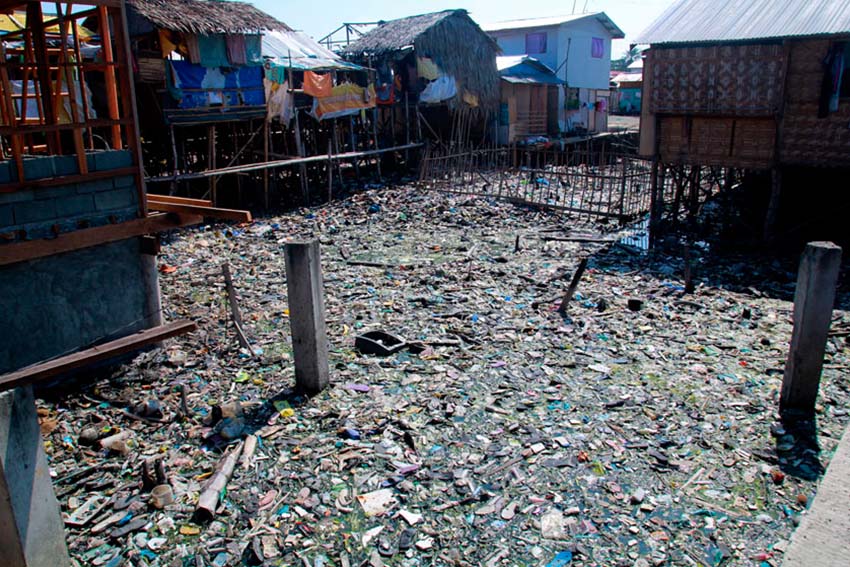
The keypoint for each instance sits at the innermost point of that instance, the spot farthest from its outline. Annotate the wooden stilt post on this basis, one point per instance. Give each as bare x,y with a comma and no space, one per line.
330,171
31,528
772,215
211,151
307,316
813,302
656,195
266,159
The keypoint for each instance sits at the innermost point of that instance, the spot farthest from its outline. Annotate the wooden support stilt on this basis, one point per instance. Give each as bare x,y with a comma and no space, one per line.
211,151
265,158
654,207
772,215
330,171
307,316
813,303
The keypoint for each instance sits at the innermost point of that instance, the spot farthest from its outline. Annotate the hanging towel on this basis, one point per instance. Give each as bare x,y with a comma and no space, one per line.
278,102
318,85
236,50
193,49
213,51
427,69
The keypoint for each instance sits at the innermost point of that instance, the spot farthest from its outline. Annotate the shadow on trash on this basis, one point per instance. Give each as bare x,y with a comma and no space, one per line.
797,447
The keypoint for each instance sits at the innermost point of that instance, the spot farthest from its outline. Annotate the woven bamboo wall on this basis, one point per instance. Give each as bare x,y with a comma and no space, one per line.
806,139
739,142
740,80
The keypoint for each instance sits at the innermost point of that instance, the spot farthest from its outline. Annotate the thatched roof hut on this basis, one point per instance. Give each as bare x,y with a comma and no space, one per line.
450,38
202,17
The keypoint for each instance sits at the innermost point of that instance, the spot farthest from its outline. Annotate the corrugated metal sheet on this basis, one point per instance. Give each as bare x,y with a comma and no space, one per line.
603,18
526,70
692,21
627,78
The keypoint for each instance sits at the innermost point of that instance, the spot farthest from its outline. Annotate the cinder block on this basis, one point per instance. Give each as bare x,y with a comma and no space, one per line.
112,159
115,199
95,186
35,211
124,181
55,192
7,217
17,197
74,206
38,168
65,165
7,172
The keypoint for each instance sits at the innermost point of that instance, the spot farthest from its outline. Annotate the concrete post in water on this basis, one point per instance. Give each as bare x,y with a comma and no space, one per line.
813,302
32,532
307,316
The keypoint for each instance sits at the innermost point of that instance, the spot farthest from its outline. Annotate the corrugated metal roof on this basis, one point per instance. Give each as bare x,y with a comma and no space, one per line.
691,21
526,70
627,78
603,18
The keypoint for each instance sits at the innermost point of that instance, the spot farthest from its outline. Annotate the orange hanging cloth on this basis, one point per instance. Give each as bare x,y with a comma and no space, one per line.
317,85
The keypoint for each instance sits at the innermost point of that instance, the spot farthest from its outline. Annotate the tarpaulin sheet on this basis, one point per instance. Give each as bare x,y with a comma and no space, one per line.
302,53
197,87
346,99
318,85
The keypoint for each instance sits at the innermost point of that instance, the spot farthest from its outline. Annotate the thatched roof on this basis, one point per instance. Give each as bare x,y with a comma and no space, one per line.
451,38
398,34
201,16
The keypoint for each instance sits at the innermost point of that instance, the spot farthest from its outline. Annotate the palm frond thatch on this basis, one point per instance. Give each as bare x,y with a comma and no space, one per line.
204,16
451,38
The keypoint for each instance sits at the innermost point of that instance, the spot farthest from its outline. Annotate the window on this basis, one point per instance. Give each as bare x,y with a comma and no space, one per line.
535,43
597,48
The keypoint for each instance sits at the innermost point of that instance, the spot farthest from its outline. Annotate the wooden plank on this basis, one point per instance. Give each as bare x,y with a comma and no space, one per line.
179,200
106,351
67,179
109,74
88,237
214,212
821,540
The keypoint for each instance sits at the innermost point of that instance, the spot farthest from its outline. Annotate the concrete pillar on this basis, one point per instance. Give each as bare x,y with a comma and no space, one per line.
813,302
307,316
31,528
150,278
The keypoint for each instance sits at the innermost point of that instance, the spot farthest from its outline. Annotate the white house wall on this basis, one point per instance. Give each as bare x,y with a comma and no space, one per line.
582,71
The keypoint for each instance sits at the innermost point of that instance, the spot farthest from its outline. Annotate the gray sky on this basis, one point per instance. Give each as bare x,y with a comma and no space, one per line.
321,17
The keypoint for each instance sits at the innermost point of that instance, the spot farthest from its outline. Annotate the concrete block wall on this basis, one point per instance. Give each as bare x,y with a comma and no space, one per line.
37,213
54,306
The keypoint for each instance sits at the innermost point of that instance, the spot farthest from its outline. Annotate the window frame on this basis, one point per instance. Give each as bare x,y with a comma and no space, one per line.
545,42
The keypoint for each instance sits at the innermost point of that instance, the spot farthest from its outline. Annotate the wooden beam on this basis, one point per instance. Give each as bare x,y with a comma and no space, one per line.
213,212
67,179
106,351
88,237
179,200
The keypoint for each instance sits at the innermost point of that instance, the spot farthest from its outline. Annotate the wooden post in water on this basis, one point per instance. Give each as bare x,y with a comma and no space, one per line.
307,316
813,302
